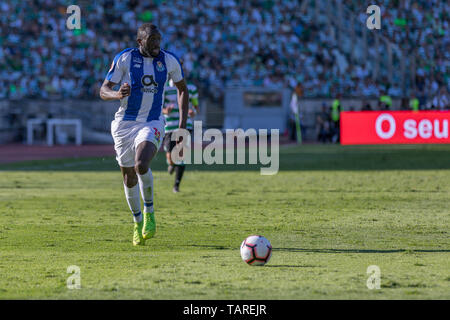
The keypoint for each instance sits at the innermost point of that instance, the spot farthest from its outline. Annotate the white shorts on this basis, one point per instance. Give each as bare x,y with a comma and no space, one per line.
128,135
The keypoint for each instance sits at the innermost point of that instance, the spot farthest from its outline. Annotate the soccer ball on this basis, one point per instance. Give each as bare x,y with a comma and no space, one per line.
256,250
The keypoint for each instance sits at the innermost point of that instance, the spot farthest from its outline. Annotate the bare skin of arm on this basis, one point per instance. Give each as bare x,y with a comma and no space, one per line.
107,93
183,102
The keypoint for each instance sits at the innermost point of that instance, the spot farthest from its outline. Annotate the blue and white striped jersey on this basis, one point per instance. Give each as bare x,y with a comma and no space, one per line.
146,77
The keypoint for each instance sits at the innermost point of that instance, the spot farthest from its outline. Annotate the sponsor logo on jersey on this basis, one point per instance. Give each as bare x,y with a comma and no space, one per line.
137,60
150,85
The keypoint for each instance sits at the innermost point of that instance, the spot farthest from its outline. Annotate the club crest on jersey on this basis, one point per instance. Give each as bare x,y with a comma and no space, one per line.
160,66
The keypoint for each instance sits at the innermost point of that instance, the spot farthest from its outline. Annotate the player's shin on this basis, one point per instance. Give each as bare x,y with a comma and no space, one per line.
146,187
179,171
134,202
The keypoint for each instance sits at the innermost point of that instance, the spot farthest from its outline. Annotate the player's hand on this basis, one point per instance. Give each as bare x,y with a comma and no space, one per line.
191,113
124,91
170,107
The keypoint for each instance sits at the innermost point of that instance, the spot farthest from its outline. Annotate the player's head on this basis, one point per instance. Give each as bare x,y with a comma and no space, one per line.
149,39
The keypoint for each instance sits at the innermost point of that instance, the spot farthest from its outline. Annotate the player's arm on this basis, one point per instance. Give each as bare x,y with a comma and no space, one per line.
108,93
183,102
193,101
196,109
113,77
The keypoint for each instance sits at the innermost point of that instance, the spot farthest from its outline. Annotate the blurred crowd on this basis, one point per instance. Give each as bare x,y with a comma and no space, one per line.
223,43
419,27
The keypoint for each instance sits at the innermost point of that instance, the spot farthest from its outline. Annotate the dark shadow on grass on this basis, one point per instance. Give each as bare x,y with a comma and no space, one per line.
288,266
210,246
218,247
358,250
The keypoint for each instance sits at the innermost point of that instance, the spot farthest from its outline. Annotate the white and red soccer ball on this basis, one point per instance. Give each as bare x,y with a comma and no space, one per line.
256,250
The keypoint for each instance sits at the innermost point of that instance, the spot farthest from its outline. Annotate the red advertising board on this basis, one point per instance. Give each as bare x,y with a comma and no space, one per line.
394,127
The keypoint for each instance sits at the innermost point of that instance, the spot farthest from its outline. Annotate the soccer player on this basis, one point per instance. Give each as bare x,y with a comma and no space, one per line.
138,127
172,116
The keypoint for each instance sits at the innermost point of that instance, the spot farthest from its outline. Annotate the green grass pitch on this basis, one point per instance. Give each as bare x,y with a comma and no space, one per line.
329,213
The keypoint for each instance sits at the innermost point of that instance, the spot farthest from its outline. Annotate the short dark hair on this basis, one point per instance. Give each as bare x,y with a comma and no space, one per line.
146,29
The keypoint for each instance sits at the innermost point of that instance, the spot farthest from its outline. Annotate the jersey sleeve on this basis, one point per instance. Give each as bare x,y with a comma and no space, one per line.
174,68
117,70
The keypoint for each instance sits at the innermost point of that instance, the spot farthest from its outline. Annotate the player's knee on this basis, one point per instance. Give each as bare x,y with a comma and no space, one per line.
141,167
130,180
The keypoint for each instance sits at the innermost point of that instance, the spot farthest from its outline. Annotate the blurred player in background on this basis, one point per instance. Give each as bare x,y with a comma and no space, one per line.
138,127
172,116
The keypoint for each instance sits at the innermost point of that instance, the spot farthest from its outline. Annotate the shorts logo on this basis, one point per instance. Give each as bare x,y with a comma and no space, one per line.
160,66
157,134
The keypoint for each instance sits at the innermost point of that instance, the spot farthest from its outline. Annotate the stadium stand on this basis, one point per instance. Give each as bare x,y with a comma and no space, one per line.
323,46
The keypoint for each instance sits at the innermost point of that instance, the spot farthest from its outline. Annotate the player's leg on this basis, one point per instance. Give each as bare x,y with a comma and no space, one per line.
124,135
170,164
168,150
179,171
131,187
145,152
147,143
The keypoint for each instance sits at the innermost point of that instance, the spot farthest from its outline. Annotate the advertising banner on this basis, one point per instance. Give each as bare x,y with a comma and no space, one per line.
394,127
